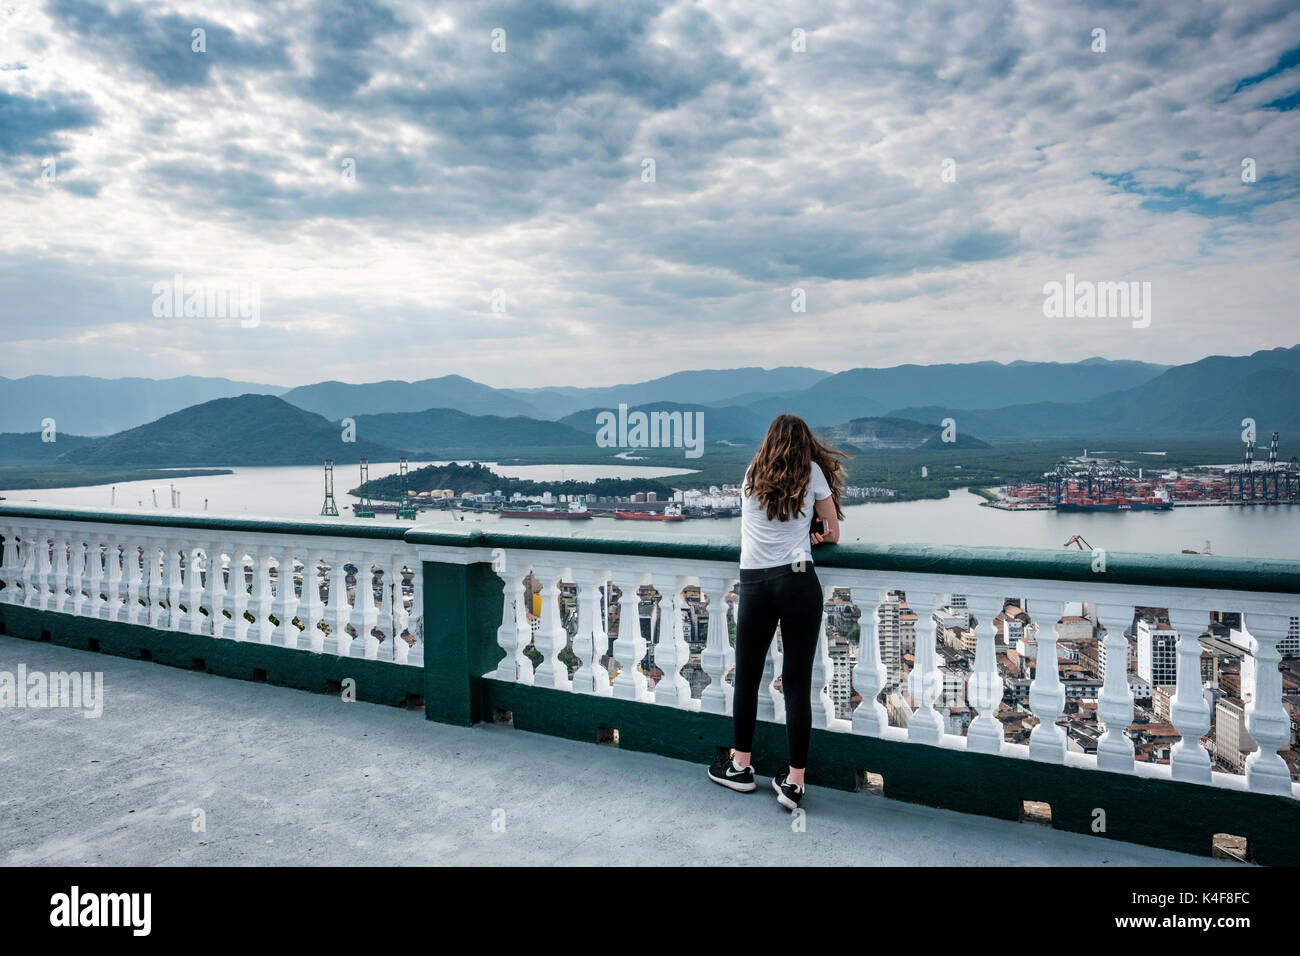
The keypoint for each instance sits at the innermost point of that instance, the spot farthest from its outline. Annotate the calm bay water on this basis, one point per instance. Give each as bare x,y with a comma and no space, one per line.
1272,531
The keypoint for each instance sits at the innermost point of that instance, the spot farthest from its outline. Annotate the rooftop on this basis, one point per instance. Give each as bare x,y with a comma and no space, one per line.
284,776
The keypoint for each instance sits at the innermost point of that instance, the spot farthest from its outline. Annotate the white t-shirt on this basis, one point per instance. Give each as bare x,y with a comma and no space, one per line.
765,543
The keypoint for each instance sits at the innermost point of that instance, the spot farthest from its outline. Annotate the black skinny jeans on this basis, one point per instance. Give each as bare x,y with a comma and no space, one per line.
793,599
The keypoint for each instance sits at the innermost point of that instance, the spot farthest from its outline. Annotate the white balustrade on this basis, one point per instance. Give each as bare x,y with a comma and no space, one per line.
64,566
196,582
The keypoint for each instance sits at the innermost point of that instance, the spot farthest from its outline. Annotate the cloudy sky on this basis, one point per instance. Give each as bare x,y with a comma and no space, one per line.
378,172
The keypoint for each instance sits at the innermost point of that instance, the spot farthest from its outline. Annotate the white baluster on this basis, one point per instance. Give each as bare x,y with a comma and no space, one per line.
366,643
869,677
1115,705
34,543
11,569
716,698
193,621
135,568
629,647
59,586
8,558
310,610
681,608
552,637
76,573
214,588
1188,711
400,617
115,559
512,597
1266,719
823,707
385,618
984,686
1047,697
95,559
584,639
284,603
175,591
238,585
154,591
416,623
925,683
338,610
668,690
602,681
527,673
262,599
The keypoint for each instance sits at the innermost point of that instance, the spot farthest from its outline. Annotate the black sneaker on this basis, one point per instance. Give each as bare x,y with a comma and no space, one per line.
725,773
787,794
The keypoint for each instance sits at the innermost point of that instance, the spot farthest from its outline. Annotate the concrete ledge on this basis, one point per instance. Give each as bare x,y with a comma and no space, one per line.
184,768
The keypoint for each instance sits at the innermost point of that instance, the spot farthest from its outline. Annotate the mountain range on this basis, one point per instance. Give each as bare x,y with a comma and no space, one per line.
83,405
1093,399
1212,396
245,430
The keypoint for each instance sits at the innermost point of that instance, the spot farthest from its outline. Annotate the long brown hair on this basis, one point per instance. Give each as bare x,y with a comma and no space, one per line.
778,475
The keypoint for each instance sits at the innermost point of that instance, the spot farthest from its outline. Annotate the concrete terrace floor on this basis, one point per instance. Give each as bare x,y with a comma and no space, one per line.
287,777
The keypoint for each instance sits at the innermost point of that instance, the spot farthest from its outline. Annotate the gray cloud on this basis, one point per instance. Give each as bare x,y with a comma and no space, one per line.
522,170
30,126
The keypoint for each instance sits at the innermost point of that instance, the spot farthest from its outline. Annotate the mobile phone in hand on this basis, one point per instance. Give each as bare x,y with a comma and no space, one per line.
819,526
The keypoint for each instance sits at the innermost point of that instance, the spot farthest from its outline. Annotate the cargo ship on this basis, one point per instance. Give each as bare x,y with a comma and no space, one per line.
670,513
1158,502
574,512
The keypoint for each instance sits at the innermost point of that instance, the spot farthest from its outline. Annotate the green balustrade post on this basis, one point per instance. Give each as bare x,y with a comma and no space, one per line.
462,611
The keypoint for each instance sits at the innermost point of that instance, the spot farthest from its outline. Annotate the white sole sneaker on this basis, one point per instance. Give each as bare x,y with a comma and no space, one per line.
782,799
739,786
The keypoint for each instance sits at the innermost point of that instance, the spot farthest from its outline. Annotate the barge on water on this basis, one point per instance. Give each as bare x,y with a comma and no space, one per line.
574,512
670,513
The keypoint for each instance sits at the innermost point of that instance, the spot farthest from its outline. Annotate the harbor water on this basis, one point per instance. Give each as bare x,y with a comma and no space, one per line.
959,519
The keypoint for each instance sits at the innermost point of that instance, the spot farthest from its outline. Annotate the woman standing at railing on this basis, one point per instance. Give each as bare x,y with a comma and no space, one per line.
791,501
